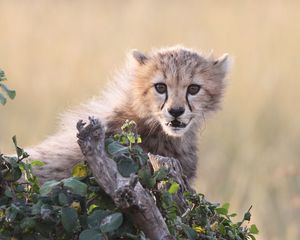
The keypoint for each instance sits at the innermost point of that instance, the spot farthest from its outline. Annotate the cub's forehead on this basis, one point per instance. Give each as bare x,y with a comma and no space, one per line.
180,64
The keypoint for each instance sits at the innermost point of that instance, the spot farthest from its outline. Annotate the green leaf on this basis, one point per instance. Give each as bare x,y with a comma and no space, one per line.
174,188
63,199
11,213
126,166
80,170
47,187
75,186
8,193
131,137
13,161
2,99
123,140
146,178
36,208
143,159
115,148
104,202
230,235
161,174
247,216
13,175
226,206
111,139
44,229
46,212
2,76
69,219
253,229
90,235
11,93
94,220
37,163
222,229
92,207
111,222
27,223
189,232
232,215
223,210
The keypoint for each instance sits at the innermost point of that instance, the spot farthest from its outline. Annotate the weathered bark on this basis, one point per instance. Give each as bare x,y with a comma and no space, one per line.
176,173
127,193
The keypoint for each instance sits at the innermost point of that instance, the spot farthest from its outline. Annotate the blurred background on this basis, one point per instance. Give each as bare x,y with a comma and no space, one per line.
57,54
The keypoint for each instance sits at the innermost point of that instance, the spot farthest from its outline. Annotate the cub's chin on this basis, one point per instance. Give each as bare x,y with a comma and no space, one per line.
175,128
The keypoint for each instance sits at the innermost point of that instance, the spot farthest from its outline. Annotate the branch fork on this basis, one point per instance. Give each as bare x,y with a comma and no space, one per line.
128,193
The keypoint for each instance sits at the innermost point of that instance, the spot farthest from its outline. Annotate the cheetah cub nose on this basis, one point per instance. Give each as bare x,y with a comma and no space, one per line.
176,112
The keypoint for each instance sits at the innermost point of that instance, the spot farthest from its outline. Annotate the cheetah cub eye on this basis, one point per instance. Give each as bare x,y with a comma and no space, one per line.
160,88
193,89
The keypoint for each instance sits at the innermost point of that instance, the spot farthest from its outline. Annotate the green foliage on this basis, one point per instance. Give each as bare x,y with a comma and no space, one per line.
10,93
68,209
212,221
77,208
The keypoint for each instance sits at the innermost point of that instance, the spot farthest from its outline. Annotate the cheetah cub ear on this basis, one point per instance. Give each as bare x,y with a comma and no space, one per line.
139,57
222,65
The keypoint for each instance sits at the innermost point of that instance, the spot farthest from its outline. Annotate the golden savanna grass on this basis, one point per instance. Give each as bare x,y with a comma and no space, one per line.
59,53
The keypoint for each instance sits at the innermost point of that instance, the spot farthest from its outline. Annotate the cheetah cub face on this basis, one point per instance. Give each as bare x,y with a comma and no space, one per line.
176,87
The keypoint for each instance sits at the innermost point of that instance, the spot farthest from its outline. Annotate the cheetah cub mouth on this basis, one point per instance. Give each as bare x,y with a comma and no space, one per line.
176,124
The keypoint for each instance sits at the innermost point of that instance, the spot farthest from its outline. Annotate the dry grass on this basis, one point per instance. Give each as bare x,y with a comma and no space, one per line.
58,53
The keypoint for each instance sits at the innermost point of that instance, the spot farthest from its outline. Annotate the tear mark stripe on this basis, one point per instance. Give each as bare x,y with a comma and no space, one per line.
187,100
166,99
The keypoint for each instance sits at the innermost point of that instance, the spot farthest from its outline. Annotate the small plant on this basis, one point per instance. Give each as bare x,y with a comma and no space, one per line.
10,93
73,208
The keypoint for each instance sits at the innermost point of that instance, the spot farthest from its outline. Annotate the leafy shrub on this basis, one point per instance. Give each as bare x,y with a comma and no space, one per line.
77,208
10,93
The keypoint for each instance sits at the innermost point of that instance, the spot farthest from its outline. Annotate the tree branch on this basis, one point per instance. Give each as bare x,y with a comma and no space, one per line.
176,173
127,193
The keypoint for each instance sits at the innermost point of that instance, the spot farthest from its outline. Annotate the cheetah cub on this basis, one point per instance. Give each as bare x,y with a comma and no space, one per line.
167,92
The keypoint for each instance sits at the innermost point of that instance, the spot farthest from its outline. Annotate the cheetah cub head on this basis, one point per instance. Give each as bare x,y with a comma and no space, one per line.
176,87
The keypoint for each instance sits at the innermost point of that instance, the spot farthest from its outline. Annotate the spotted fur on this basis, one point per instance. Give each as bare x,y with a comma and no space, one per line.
132,95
